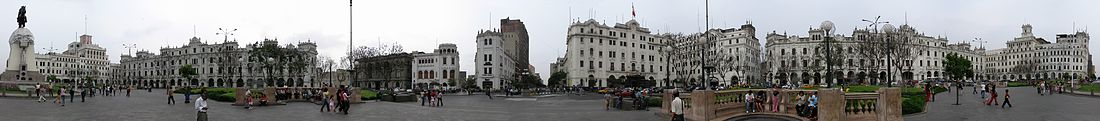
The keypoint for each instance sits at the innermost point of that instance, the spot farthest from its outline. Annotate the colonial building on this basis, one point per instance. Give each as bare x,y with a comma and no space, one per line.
384,72
225,65
495,67
437,68
915,56
732,56
82,62
598,55
1029,57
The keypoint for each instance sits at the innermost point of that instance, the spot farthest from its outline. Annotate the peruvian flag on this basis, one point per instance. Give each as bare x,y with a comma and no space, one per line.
633,13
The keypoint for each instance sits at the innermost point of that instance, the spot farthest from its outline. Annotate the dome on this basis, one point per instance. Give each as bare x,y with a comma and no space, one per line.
888,28
827,25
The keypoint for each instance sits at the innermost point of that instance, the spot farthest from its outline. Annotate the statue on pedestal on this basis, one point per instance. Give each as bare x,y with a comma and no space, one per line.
22,19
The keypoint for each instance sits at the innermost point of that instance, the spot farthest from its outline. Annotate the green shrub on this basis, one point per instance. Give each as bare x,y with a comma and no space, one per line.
368,95
912,104
224,97
862,88
654,101
1018,84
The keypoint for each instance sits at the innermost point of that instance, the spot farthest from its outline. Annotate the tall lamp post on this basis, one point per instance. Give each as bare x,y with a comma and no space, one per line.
828,27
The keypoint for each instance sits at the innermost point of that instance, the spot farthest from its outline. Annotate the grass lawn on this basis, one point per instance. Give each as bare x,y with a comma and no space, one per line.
1090,87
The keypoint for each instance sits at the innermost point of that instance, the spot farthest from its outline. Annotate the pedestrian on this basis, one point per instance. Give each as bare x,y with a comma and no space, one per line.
72,94
38,91
186,94
607,101
992,96
748,102
983,90
1039,88
128,90
975,89
83,92
1006,100
488,92
171,97
201,107
61,96
423,98
677,109
324,101
346,101
812,110
248,99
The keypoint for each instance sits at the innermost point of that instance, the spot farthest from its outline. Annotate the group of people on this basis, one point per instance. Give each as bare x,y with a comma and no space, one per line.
338,101
1049,89
639,97
433,98
770,101
70,92
992,90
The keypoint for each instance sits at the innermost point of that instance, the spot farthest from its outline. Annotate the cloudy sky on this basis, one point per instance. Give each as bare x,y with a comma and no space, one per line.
422,25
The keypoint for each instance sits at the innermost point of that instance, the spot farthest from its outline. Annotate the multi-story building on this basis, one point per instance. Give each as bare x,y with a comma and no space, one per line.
385,72
225,65
516,43
82,62
494,66
732,56
1029,57
798,60
598,55
436,68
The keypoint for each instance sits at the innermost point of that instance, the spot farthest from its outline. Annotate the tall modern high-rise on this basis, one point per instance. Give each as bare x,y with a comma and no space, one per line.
515,42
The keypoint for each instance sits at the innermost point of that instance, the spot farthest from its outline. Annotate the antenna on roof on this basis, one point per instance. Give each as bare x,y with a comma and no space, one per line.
85,23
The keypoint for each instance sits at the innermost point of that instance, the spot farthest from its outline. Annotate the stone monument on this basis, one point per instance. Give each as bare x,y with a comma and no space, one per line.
21,64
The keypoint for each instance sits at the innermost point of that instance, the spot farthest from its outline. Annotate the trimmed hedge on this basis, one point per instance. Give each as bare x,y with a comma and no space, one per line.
366,94
1018,84
653,101
1090,88
913,99
216,94
862,88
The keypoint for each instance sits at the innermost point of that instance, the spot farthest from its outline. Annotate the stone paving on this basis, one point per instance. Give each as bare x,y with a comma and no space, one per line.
144,106
1027,104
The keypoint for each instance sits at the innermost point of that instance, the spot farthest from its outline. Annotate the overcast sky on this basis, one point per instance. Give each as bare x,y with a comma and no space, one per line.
422,25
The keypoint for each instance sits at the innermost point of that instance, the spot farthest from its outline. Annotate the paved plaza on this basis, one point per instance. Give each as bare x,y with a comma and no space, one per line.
146,106
1027,104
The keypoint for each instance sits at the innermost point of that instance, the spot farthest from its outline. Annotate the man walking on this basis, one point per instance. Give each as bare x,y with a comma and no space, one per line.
200,106
171,97
983,90
489,92
1006,100
83,92
72,95
677,109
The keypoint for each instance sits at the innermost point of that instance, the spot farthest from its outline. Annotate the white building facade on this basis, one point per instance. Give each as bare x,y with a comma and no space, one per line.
82,62
597,53
494,67
1028,57
437,68
223,65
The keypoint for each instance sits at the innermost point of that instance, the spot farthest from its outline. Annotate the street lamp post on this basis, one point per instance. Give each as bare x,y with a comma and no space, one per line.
828,27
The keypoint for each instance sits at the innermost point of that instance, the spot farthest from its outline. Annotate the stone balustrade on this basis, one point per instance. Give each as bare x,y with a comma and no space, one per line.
833,104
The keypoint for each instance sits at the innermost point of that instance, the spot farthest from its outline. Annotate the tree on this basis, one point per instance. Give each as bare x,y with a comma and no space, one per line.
188,72
557,78
957,67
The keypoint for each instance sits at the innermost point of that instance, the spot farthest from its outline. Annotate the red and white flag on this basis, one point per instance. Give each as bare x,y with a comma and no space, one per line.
633,13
